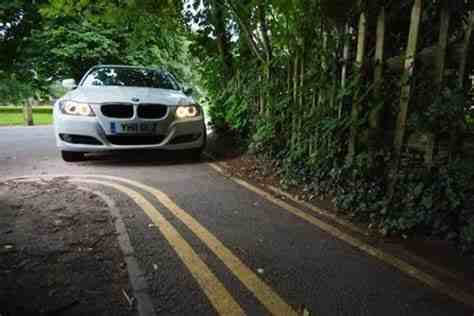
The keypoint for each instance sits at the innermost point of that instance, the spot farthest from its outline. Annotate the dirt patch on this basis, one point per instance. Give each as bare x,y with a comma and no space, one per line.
58,252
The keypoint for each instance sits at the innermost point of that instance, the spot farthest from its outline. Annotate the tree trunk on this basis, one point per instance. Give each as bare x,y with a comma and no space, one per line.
222,39
345,60
407,79
313,137
28,112
440,68
454,144
375,132
301,108
361,40
465,50
267,45
442,43
294,110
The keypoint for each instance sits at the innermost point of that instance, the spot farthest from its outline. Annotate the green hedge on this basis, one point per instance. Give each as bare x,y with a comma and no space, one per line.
19,109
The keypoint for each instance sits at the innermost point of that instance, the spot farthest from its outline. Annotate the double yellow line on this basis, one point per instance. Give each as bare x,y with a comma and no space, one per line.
215,291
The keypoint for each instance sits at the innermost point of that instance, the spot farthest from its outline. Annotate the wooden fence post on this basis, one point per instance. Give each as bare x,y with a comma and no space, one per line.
301,108
28,112
374,117
465,50
345,59
361,43
407,78
442,43
295,113
454,144
440,67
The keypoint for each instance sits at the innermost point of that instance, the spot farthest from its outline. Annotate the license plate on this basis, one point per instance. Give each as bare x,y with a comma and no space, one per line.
133,128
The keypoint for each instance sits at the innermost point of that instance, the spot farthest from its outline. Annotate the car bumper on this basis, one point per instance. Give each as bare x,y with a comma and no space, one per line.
174,135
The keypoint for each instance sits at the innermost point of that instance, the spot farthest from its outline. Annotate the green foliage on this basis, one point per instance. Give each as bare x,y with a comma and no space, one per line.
436,202
17,20
263,137
12,90
60,50
470,121
46,40
443,114
230,111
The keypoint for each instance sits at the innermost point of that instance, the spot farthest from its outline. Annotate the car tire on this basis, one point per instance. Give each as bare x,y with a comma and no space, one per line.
196,153
71,156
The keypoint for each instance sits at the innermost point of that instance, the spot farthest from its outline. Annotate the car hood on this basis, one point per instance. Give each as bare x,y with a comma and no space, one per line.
126,94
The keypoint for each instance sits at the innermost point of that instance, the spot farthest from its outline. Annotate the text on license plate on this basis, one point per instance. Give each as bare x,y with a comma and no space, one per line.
132,128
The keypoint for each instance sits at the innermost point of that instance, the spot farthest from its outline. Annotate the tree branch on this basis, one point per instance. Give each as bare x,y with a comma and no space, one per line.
252,41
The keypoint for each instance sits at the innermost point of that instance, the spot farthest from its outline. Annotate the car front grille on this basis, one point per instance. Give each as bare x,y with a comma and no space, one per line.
152,111
131,140
117,110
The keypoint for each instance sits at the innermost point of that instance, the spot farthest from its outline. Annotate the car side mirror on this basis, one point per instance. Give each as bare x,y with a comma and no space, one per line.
69,84
188,90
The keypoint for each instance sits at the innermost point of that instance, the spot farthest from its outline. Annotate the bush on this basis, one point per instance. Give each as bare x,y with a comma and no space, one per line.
230,110
12,90
263,137
436,204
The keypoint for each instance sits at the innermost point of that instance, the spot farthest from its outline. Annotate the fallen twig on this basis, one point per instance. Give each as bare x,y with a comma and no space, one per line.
129,299
100,238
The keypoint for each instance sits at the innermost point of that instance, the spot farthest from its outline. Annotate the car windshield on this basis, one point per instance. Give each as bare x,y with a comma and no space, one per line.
130,77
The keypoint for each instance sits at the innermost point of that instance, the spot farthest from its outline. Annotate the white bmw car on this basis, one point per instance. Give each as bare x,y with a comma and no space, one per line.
123,108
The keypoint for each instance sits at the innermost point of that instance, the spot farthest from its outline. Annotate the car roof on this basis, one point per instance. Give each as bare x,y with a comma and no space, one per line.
125,66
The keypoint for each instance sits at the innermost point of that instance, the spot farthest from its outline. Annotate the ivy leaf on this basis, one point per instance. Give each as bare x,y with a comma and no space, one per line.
418,189
427,201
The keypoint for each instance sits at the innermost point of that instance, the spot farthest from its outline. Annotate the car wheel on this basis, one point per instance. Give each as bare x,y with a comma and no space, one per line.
71,156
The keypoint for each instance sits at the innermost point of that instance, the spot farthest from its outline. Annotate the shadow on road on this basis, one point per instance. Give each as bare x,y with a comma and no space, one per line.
219,146
143,158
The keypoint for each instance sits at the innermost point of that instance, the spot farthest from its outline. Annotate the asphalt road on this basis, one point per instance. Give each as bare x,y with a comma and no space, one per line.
291,259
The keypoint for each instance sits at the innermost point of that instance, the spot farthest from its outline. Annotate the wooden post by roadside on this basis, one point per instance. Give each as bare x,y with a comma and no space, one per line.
439,79
360,57
442,43
345,59
465,48
406,91
454,144
374,115
28,112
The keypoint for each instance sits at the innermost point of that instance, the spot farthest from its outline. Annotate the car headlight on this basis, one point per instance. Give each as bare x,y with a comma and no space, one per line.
189,111
76,108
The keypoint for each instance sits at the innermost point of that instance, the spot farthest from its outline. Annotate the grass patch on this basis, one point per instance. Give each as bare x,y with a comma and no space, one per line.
13,115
